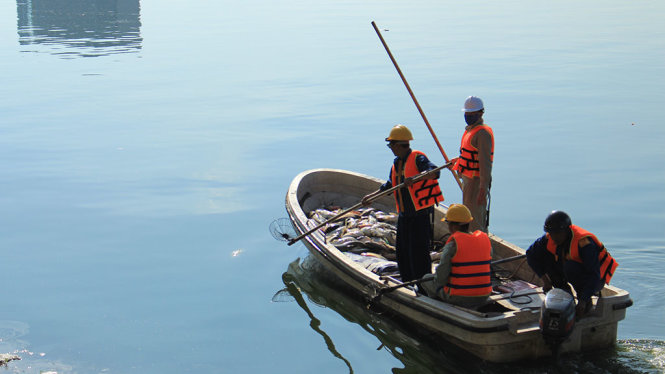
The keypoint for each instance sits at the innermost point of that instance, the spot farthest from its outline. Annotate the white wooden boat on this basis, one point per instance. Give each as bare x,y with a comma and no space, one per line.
505,330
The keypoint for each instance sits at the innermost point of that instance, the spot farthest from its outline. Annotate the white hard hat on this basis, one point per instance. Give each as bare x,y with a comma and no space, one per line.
472,104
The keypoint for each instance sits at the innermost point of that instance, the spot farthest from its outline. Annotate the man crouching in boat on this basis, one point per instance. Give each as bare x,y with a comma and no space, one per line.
414,203
568,253
463,275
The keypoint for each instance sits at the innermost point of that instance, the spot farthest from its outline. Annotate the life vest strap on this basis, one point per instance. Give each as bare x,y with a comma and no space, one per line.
470,275
608,274
431,193
461,287
471,263
605,254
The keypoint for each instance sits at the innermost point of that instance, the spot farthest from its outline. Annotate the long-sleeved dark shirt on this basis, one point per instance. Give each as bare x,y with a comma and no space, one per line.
423,164
585,276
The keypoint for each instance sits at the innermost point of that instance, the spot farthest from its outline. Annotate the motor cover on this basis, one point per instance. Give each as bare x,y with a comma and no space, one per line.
557,315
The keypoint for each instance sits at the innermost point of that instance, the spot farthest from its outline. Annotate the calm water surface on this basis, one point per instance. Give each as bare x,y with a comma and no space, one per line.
145,147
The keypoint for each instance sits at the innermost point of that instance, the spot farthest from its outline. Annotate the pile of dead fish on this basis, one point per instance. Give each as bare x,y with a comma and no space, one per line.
364,231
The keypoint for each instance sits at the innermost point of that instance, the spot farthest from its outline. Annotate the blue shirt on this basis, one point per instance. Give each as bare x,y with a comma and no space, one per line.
585,276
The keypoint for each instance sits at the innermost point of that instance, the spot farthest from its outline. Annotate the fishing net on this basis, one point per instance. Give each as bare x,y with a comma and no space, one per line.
283,295
282,229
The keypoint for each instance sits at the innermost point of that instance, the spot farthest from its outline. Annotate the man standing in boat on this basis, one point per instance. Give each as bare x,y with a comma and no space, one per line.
414,203
475,163
463,275
570,254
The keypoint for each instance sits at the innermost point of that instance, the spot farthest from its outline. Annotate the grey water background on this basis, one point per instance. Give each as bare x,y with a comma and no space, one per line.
146,146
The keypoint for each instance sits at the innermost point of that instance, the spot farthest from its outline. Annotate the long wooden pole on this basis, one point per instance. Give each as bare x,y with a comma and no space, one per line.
415,101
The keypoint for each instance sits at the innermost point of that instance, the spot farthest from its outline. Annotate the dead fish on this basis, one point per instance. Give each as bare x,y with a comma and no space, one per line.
360,230
376,244
350,223
372,254
367,211
354,232
367,221
327,214
336,233
389,235
346,242
332,227
387,217
383,267
352,214
374,264
385,226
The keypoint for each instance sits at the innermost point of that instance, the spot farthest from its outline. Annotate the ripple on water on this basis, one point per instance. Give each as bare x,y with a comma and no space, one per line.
642,355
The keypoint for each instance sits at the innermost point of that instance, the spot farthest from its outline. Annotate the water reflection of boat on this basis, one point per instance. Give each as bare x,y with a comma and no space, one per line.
417,353
501,332
422,354
289,279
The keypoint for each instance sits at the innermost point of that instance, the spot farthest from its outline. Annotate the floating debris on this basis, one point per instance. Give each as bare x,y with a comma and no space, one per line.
237,252
6,357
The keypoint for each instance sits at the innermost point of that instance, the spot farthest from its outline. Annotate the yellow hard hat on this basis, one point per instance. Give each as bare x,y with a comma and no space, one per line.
400,132
458,213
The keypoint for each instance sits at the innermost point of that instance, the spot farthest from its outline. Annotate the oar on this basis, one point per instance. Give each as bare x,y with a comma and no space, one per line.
376,292
415,101
380,291
371,198
508,259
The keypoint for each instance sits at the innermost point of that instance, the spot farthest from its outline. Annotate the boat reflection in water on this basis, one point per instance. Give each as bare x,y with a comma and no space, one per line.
416,352
79,28
420,352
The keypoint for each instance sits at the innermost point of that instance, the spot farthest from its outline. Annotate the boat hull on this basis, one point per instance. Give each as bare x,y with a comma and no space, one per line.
508,336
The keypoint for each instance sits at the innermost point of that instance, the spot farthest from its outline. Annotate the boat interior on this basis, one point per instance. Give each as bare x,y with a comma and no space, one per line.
515,286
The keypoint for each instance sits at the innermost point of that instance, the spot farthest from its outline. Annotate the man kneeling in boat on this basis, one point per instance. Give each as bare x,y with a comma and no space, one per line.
568,253
463,275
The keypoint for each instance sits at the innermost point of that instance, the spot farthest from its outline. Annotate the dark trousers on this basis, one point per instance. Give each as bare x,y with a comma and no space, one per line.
414,241
554,270
582,279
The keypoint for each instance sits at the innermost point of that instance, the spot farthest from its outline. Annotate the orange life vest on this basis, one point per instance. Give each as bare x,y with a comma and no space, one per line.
424,193
467,163
470,267
607,263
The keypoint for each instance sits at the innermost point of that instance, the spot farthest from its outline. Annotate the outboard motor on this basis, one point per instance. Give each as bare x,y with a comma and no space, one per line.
557,318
